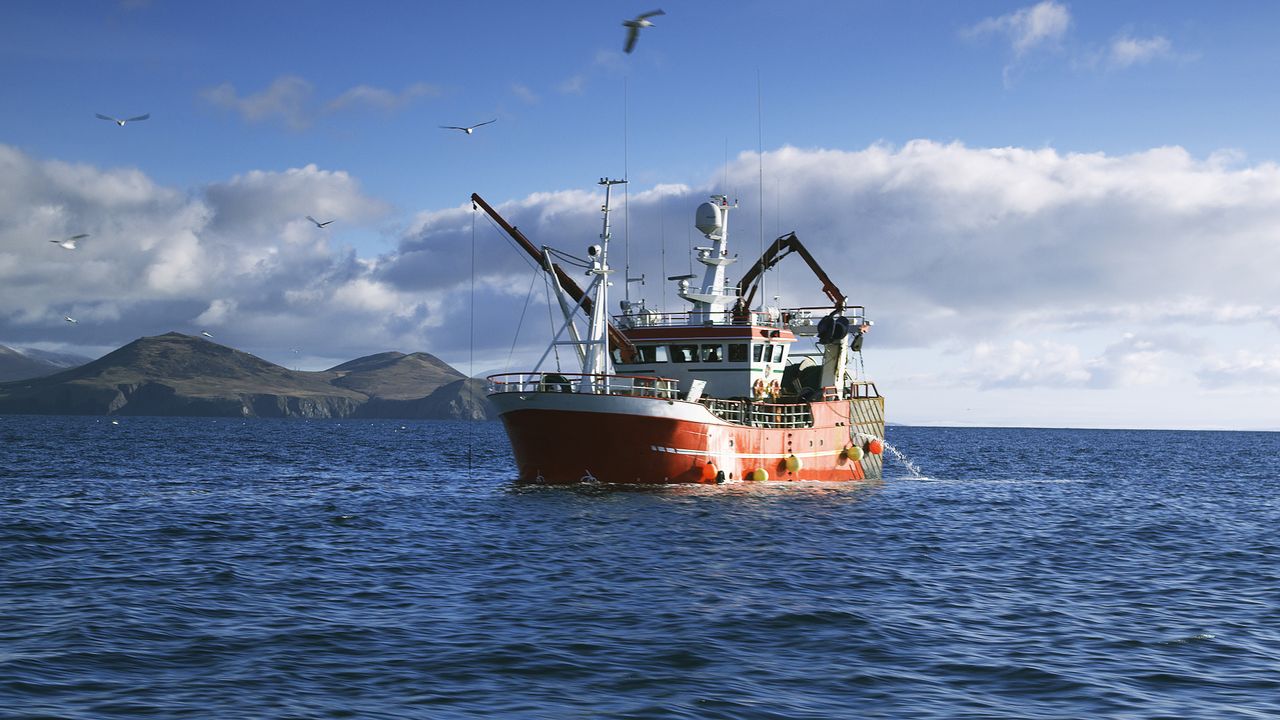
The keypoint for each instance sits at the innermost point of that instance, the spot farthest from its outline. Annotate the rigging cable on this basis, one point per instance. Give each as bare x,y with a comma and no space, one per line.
626,201
533,280
471,342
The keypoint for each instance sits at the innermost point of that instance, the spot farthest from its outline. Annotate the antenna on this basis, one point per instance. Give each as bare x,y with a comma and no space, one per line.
626,202
662,233
760,165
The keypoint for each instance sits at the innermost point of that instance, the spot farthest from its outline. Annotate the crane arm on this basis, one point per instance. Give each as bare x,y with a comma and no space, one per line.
780,248
617,341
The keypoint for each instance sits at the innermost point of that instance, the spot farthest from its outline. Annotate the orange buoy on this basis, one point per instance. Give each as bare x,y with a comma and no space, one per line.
709,473
875,447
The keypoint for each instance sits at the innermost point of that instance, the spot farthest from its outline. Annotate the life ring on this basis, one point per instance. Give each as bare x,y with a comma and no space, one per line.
775,389
758,388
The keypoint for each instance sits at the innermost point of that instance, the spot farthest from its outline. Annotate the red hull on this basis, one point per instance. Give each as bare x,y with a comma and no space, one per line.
567,446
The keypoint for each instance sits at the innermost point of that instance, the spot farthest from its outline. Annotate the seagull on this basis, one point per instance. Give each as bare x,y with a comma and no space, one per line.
468,130
71,320
120,122
634,26
318,223
70,243
206,334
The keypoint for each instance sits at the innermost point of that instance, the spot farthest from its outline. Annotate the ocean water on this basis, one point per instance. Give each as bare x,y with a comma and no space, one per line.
200,568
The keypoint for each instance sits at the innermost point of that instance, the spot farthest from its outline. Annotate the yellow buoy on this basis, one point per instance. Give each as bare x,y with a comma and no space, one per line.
853,452
760,475
793,463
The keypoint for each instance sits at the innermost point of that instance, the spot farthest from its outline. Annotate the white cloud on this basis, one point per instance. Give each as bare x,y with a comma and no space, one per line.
1017,252
381,98
218,312
1243,368
286,99
1126,51
1026,364
1130,362
1028,28
290,100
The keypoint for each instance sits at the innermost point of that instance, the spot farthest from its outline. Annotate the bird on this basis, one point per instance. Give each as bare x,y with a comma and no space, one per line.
70,243
206,334
468,130
71,320
318,223
120,122
634,26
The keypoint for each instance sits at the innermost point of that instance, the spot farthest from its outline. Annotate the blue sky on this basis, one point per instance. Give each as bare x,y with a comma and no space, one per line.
1013,188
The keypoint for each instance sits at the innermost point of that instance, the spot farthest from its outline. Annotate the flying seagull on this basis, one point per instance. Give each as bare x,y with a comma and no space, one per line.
70,243
318,223
468,130
71,320
120,122
634,26
206,334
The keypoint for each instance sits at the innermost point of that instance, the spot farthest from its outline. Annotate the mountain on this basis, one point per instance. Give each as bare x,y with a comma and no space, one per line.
30,363
176,374
393,375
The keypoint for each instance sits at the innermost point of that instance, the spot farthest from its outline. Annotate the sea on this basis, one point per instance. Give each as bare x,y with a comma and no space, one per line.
227,568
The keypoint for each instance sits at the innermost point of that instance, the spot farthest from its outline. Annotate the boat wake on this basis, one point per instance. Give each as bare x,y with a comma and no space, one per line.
906,462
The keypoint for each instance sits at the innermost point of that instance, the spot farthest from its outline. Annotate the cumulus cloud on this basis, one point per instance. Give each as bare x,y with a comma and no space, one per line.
236,254
943,241
1016,252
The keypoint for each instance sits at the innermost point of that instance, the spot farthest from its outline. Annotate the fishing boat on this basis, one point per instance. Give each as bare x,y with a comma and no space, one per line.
720,393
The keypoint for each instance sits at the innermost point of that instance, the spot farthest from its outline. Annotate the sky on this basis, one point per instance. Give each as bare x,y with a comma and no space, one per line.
1060,214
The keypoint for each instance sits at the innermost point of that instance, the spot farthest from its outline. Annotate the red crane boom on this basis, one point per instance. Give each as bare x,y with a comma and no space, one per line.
617,341
780,248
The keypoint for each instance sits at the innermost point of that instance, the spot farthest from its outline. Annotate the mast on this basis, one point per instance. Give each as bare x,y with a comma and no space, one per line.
598,361
712,300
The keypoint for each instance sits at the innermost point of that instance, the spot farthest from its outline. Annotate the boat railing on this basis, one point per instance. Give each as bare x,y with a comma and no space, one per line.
756,414
780,415
863,389
553,382
800,320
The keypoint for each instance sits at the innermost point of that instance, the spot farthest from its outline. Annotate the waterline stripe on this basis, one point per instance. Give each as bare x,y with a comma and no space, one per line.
744,456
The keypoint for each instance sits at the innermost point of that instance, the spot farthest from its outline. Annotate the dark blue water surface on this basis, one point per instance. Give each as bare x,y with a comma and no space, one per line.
313,569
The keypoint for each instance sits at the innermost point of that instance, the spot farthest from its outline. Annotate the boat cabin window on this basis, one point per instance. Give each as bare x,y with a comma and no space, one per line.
652,353
738,352
768,353
644,354
712,353
684,353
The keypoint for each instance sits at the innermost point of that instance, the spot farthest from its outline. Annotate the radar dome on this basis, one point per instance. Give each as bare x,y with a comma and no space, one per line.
708,219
